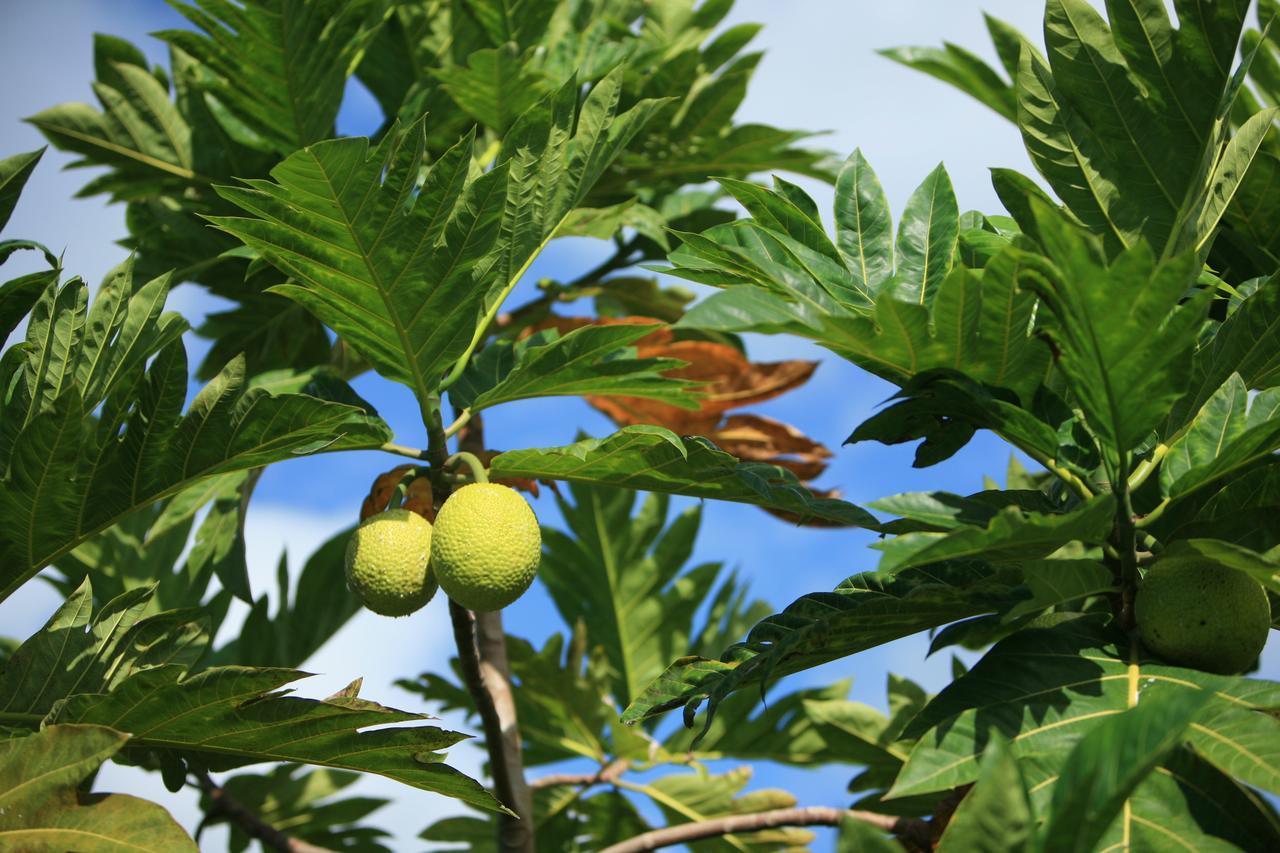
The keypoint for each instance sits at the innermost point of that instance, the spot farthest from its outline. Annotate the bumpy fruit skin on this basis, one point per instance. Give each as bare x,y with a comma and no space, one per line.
486,546
1203,615
388,562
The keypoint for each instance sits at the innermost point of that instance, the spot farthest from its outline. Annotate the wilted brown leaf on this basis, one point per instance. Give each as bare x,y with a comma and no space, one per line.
759,439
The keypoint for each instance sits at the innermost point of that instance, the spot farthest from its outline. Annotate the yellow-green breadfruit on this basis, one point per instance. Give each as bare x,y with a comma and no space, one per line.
1202,615
388,562
486,546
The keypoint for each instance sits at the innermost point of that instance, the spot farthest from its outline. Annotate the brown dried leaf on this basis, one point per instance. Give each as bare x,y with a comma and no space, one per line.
756,438
731,382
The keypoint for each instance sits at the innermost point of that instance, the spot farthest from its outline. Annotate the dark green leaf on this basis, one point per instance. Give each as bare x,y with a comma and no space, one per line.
864,611
73,472
1109,762
657,460
1011,534
231,716
1043,689
14,172
385,265
1127,361
593,360
274,71
996,814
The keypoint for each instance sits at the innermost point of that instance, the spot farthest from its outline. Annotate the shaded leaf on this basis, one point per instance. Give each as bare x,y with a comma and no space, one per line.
1109,762
43,808
864,611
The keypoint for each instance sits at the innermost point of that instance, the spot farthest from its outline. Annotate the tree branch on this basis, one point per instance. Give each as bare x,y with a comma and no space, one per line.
227,806
802,816
606,775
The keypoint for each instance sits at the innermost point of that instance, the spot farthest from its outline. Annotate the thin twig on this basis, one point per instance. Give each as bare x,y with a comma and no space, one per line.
606,775
803,816
225,805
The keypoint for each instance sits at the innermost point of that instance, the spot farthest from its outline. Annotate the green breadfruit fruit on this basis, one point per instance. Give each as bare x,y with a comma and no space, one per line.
1199,614
388,562
486,546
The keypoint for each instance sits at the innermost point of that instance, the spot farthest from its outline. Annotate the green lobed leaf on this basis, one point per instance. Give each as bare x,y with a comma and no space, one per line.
657,460
1109,762
963,70
43,809
298,627
620,575
274,71
593,360
995,815
1045,688
78,651
866,610
1127,363
1011,534
1246,343
308,805
72,472
230,716
386,264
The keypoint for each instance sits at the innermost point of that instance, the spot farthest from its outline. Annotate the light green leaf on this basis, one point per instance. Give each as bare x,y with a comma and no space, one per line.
43,809
494,87
701,795
957,66
140,133
593,360
1219,422
1223,438
859,837
657,460
927,238
864,228
620,576
299,627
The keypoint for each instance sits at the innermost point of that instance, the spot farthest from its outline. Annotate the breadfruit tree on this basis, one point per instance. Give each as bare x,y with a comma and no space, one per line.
1117,324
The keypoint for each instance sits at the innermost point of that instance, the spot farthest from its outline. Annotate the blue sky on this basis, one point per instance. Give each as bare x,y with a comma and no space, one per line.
821,73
